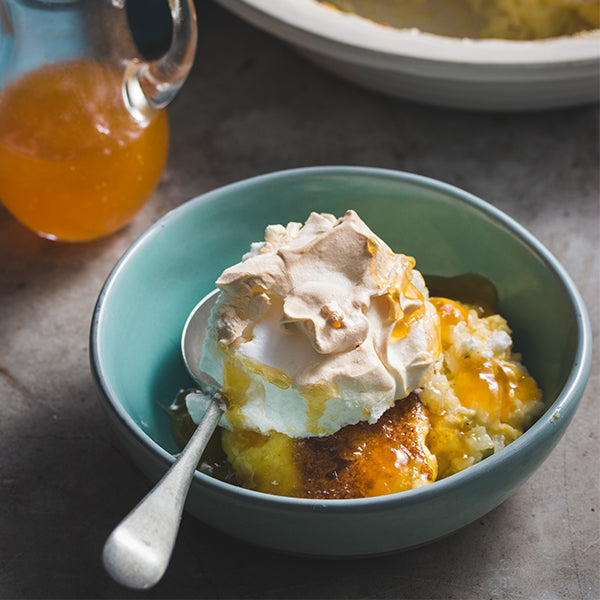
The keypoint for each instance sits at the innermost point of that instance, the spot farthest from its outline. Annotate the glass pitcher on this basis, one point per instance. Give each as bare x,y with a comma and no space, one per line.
83,127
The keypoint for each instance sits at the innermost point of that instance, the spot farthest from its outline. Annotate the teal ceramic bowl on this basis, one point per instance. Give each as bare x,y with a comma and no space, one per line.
138,321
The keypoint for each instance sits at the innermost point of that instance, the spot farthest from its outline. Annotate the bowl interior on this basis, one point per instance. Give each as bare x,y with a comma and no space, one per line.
138,322
449,18
317,26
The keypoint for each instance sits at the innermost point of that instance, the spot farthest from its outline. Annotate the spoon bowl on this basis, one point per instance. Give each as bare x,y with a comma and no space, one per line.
192,340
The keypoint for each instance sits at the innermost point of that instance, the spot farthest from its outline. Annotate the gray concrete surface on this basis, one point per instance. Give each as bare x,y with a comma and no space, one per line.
252,106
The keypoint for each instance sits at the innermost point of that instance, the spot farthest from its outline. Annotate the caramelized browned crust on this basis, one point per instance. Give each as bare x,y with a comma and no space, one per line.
369,459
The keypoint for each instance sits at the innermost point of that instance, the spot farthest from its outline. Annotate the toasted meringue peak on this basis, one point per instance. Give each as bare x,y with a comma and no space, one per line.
320,326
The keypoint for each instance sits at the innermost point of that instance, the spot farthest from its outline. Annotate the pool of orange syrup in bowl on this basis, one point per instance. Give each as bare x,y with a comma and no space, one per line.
74,164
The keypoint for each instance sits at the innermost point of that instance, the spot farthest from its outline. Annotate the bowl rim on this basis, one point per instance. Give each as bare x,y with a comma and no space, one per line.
317,27
568,397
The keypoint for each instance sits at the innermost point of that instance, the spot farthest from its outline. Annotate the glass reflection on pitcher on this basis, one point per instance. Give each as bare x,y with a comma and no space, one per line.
83,128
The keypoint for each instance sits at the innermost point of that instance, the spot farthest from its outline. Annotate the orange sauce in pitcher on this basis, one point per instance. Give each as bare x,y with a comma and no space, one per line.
74,164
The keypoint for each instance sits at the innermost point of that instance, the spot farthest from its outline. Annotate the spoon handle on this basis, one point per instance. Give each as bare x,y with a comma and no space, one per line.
137,552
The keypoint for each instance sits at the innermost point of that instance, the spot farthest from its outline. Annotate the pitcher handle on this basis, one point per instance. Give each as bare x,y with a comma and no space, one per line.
150,86
6,37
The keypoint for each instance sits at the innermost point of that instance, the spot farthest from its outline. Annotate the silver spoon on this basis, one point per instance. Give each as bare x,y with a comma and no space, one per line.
138,551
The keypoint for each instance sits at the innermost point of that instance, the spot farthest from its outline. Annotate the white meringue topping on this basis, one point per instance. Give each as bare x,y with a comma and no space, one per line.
320,326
